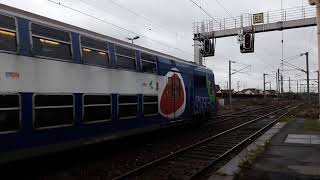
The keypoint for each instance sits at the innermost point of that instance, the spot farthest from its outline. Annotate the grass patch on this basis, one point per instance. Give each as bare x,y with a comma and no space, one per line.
288,118
253,155
308,112
312,125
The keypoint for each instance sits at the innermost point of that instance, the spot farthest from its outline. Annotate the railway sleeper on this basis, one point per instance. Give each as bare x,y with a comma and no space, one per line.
214,150
215,145
184,163
191,160
174,170
178,177
202,153
198,157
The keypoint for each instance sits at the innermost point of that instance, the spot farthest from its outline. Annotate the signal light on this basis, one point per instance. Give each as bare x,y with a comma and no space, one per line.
247,41
248,45
208,48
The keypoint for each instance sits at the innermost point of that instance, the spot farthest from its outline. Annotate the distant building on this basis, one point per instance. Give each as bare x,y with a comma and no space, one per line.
271,92
251,91
223,93
217,88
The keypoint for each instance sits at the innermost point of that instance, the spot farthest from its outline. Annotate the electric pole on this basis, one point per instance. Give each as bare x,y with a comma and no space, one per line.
308,77
318,81
297,87
230,93
238,84
289,84
277,82
270,85
282,83
264,84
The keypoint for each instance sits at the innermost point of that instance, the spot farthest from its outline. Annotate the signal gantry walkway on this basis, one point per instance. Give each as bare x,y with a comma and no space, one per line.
297,17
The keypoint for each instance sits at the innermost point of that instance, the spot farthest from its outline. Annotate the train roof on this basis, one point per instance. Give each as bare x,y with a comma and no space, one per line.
51,22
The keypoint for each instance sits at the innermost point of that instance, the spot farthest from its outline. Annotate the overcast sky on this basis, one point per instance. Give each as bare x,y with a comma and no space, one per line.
166,26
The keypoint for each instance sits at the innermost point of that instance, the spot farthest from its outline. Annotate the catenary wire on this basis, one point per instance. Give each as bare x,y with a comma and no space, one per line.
162,27
117,26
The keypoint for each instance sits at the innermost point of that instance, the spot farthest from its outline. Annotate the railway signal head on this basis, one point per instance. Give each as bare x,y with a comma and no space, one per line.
208,48
207,45
248,45
247,41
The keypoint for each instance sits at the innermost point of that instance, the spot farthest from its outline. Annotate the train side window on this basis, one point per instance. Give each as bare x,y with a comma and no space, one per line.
9,113
149,63
200,81
150,105
96,108
126,58
53,110
128,106
94,52
8,34
50,42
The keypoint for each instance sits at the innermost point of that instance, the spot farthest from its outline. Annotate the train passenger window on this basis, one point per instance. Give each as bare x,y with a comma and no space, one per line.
128,106
96,108
9,112
94,52
126,58
149,63
53,110
50,42
150,105
8,34
200,81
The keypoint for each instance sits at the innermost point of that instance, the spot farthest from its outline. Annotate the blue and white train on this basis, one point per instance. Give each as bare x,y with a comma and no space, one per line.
62,86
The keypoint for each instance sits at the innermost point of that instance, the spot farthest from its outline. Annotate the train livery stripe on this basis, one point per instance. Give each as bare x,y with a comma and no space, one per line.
26,74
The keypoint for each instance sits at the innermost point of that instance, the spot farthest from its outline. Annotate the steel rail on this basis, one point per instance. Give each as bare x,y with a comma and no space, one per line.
242,115
249,139
153,163
241,112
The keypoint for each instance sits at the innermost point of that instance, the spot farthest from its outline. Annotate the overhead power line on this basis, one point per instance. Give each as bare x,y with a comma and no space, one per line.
122,28
224,9
207,13
162,27
203,10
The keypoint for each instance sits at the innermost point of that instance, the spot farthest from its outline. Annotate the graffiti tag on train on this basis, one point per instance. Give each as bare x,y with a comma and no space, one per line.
202,104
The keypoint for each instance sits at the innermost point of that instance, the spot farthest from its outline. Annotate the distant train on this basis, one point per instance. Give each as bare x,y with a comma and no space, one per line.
62,86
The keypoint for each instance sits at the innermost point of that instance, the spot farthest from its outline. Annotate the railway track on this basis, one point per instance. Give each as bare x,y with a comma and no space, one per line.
223,115
242,114
190,162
